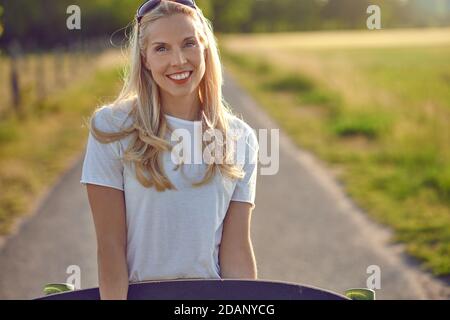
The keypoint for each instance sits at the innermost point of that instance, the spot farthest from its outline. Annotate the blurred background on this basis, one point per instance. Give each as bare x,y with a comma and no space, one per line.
373,104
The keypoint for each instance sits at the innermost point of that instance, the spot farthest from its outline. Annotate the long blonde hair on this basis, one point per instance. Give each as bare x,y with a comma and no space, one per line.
149,125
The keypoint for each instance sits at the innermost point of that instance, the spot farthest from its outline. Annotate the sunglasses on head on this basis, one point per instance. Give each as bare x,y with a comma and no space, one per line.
149,5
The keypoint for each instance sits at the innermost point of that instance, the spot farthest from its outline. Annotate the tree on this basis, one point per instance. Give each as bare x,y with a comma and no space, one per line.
230,15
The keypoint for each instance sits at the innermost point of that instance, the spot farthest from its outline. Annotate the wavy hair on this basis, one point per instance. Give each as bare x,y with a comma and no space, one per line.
149,126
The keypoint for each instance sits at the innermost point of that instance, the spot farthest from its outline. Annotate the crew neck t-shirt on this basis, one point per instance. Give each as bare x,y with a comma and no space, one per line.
171,234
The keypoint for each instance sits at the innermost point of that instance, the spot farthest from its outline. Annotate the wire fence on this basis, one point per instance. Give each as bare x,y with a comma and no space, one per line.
30,77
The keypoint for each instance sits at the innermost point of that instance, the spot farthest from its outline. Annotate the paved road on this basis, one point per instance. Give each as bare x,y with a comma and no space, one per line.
304,230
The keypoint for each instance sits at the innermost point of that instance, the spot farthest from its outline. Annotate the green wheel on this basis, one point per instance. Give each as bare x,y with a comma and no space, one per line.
360,294
52,288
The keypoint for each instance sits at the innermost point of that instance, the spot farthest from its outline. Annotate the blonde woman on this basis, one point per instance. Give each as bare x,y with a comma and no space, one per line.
156,218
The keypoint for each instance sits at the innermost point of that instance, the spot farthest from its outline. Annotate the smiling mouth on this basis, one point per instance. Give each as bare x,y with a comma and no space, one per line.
181,81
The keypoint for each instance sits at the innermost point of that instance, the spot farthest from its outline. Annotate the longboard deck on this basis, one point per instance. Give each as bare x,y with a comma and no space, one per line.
209,289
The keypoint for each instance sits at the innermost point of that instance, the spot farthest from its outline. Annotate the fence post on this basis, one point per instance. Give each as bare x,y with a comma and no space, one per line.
14,50
72,61
40,77
57,67
3,93
15,84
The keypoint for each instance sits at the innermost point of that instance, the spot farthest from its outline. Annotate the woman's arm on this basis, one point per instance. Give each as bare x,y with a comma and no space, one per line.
236,256
108,211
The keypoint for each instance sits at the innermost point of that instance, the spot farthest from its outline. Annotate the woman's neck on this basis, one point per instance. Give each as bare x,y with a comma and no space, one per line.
187,108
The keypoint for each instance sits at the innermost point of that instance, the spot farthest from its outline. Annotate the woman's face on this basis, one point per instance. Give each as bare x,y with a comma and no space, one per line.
173,46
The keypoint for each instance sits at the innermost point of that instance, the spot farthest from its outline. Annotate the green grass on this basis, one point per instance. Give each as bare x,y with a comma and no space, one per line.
370,125
380,117
290,83
415,75
320,97
36,150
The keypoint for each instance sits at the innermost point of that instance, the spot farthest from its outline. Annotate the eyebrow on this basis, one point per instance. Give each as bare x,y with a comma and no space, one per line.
187,38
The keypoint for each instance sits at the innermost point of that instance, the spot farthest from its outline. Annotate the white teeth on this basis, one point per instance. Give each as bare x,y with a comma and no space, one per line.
180,76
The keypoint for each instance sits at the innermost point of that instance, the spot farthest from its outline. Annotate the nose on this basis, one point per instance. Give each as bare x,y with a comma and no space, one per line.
178,57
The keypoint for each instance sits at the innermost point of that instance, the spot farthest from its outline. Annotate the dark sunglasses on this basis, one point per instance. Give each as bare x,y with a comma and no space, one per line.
148,6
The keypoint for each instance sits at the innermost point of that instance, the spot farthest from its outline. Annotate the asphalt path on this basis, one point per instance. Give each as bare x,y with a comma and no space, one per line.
305,230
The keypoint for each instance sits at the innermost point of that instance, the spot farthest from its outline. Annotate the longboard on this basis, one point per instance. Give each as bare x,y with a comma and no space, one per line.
209,289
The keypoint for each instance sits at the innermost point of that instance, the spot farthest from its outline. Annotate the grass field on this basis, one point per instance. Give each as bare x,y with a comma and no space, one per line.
376,107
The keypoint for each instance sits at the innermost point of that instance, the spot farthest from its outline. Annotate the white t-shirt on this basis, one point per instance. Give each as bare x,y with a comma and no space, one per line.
175,233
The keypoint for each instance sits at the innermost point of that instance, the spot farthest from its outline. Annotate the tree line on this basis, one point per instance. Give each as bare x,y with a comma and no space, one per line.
42,23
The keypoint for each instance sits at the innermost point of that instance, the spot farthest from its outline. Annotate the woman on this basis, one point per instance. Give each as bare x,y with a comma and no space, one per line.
156,218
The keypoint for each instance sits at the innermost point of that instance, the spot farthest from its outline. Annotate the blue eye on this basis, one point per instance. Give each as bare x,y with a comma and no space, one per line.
190,42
